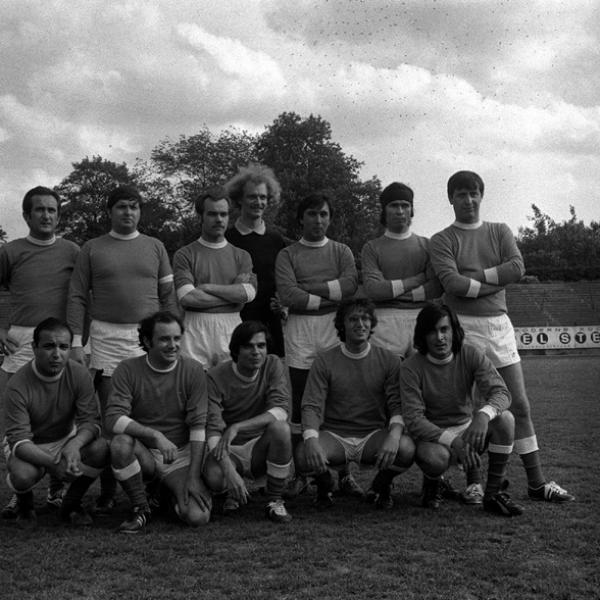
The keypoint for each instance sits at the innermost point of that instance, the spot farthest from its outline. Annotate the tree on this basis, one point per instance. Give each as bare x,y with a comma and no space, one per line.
561,251
84,192
306,160
3,236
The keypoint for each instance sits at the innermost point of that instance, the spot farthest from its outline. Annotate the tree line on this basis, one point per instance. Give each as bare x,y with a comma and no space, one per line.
305,159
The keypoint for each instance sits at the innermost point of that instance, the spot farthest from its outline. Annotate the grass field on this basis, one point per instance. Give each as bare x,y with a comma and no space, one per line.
351,550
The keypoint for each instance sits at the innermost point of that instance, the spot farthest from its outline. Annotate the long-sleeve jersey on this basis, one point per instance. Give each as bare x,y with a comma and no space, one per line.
299,265
130,279
463,258
233,398
437,396
45,409
351,396
263,250
388,261
173,402
197,263
37,276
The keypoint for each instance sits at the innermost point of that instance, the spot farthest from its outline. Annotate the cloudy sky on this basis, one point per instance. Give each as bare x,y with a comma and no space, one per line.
415,89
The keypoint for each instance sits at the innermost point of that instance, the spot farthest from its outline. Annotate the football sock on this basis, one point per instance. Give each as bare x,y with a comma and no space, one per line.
324,482
108,484
533,468
76,490
25,500
473,475
497,465
132,482
55,484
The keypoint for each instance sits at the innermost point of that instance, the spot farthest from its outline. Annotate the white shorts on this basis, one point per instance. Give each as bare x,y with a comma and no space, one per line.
395,330
243,455
182,461
456,430
307,335
23,337
494,336
112,343
52,448
353,446
207,336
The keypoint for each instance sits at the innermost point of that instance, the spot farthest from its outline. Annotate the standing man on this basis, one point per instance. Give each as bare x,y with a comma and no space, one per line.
52,425
214,280
313,276
441,416
119,279
157,414
474,261
248,431
252,190
36,270
397,272
351,409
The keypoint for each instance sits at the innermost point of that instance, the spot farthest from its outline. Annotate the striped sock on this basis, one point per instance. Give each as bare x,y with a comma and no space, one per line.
498,463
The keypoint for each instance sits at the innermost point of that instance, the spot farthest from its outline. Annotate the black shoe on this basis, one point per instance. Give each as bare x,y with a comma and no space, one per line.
449,492
500,503
140,516
10,509
75,515
104,506
276,512
431,494
350,487
323,500
26,517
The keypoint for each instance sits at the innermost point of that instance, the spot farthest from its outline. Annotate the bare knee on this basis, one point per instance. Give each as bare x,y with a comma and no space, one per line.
193,515
23,476
213,475
96,454
406,452
502,428
122,449
279,430
432,458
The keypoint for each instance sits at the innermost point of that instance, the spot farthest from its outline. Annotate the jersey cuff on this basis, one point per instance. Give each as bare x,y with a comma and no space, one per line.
17,444
491,275
184,290
446,438
77,341
335,290
309,433
474,287
490,411
397,287
397,419
197,435
121,424
250,291
279,413
166,279
314,302
418,294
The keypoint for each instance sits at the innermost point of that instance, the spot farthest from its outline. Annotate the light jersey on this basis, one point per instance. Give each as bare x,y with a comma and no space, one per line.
388,261
234,398
198,263
439,395
173,402
129,280
37,275
351,396
44,409
463,255
300,265
263,249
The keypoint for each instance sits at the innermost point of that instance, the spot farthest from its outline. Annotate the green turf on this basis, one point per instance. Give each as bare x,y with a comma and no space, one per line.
352,550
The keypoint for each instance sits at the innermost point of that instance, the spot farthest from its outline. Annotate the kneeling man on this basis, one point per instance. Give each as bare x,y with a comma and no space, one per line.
157,412
248,430
351,408
52,425
436,386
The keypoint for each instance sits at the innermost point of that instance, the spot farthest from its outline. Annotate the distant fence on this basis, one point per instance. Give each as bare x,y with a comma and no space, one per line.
558,338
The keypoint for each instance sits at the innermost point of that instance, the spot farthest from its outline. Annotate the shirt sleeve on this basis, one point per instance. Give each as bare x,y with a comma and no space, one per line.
215,425
278,391
120,397
182,270
348,278
18,423
87,415
376,285
315,395
512,267
197,400
79,289
288,288
489,382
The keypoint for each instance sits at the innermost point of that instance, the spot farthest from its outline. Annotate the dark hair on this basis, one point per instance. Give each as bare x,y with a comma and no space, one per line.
147,325
215,193
50,324
313,201
392,192
428,318
348,305
253,173
40,190
242,335
464,180
123,192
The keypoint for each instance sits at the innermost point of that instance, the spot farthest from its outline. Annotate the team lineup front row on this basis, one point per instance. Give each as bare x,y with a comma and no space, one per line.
174,429
248,273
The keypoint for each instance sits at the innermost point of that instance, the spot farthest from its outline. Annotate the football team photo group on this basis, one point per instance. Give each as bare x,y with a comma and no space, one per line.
249,365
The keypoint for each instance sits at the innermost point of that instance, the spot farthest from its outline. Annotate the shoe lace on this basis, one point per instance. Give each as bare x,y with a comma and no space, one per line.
553,488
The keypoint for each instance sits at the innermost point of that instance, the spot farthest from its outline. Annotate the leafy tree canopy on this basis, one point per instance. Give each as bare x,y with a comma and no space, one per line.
561,251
